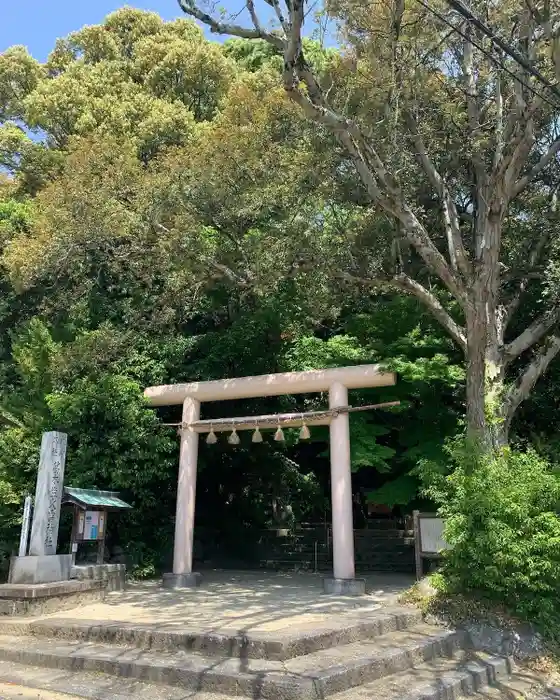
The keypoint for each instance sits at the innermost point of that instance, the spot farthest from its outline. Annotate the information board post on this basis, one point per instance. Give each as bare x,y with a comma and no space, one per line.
89,526
101,537
73,544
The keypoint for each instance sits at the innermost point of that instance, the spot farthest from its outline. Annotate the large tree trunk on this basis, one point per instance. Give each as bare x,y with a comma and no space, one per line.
486,395
485,391
476,374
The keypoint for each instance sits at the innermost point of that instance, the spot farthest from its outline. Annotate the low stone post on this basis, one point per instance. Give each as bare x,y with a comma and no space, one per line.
26,521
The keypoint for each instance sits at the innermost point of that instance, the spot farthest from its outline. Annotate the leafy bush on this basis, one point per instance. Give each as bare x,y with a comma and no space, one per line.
503,526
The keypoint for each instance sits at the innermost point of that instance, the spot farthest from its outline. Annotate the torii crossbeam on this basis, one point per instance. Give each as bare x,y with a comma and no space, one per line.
337,382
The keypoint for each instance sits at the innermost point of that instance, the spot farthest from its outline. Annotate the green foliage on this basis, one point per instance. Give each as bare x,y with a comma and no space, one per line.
365,450
115,438
116,442
503,527
15,218
19,74
17,214
252,55
32,352
310,352
19,454
399,492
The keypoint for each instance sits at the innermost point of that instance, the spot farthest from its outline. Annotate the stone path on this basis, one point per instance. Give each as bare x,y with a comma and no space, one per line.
249,602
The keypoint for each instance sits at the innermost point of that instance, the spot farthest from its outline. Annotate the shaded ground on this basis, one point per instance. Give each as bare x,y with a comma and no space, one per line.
9,691
241,601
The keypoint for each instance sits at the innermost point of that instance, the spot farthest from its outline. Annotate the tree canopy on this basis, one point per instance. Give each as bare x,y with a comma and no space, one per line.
451,133
168,212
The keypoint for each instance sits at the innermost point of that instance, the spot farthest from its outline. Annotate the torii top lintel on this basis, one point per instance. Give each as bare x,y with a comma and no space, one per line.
307,382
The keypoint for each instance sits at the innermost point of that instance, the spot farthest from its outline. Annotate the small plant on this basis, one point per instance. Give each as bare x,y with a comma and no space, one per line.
502,523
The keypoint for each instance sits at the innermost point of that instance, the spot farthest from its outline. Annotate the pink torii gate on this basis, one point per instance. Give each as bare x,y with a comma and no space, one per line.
337,382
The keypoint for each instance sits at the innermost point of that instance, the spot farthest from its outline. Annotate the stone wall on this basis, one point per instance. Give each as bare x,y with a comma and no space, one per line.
113,576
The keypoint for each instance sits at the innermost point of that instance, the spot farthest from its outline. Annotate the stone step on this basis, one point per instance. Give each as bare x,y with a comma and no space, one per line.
439,679
92,686
381,524
436,680
378,544
279,645
307,677
515,688
383,535
48,682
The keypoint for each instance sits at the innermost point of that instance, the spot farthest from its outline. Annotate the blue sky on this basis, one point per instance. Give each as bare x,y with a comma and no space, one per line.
37,25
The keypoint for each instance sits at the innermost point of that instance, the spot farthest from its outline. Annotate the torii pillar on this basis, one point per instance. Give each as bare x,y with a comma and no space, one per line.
337,382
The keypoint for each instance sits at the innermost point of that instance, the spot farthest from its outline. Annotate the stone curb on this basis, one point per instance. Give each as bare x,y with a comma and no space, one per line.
24,591
200,674
254,645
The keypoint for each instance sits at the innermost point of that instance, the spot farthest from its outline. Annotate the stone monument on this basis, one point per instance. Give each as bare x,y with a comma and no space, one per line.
43,565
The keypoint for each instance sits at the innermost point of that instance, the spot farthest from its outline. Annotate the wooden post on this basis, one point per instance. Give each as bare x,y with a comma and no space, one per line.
417,545
101,543
73,536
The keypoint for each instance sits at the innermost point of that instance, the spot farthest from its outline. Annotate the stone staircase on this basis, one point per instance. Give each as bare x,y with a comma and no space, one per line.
382,655
384,546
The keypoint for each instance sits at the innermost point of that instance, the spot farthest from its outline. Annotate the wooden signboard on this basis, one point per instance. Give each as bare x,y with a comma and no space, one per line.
89,526
429,541
91,508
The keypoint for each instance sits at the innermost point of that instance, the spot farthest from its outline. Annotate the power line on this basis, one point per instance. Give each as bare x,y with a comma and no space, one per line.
488,54
502,44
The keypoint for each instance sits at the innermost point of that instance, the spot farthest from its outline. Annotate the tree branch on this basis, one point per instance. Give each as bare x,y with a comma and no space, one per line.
519,391
293,47
457,253
275,4
190,8
227,272
534,257
523,182
499,130
477,157
404,283
532,334
254,17
516,152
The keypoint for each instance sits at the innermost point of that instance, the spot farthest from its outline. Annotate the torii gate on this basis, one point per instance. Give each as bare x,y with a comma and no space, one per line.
337,382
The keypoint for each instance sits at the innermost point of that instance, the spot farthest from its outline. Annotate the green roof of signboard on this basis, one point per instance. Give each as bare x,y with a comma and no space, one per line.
94,498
